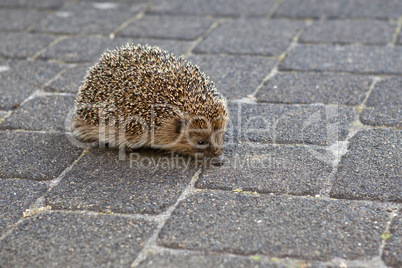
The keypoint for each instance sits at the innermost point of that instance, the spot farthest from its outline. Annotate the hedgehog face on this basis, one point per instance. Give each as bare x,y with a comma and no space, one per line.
193,136
201,136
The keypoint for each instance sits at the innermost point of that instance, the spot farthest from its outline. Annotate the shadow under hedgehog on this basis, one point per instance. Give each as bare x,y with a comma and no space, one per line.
142,96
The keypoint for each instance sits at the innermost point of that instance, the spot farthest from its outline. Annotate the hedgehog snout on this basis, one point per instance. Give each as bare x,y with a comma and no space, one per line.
218,160
213,152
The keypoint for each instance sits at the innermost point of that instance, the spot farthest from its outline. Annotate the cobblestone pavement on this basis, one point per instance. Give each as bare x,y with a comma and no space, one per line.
313,150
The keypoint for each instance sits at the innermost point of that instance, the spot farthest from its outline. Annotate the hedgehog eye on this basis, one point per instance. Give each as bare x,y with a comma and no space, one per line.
200,142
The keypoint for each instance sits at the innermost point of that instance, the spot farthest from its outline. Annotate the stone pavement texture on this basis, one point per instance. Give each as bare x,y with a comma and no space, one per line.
313,170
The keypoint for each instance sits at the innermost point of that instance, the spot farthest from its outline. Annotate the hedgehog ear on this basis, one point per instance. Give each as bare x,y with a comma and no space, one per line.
180,124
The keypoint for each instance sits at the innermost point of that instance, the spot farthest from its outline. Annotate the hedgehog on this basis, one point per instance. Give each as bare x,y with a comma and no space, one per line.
142,96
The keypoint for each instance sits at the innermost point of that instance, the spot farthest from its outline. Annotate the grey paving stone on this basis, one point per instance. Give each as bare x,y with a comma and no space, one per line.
311,9
356,59
384,105
22,45
349,31
269,169
234,76
340,9
3,114
79,49
70,80
392,254
250,36
41,113
280,226
371,169
35,72
342,89
216,8
176,47
19,79
41,4
58,239
88,18
120,1
173,27
201,260
35,156
145,183
375,9
288,124
89,49
15,197
18,19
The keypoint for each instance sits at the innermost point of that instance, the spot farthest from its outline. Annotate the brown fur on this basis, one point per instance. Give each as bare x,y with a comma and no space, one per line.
145,97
